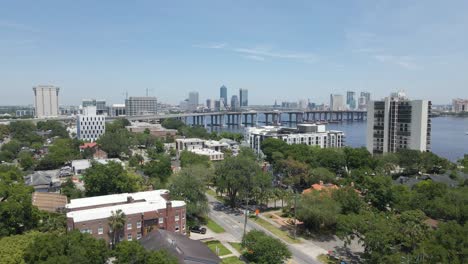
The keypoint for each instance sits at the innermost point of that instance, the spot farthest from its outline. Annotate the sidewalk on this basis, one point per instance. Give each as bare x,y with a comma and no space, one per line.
306,246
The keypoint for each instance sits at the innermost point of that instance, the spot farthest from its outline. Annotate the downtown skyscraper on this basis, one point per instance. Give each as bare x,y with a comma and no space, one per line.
243,97
223,95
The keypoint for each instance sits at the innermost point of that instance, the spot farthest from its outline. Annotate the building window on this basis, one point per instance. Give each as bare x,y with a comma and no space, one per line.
138,235
129,226
177,228
161,220
177,217
139,224
129,237
100,231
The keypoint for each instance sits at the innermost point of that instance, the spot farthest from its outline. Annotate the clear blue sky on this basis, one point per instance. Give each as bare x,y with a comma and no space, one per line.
285,50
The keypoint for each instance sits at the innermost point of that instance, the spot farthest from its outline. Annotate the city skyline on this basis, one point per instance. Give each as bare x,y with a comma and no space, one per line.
278,50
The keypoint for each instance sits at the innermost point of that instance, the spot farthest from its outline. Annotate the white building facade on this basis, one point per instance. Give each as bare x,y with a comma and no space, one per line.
90,126
307,134
398,123
46,101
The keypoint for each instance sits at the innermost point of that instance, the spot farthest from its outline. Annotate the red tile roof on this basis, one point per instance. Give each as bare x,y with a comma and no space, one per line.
88,145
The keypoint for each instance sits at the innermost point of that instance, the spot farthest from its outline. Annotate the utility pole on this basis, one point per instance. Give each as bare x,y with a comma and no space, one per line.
295,218
245,221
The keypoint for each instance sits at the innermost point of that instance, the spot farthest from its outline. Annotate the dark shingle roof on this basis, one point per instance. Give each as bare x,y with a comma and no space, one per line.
188,251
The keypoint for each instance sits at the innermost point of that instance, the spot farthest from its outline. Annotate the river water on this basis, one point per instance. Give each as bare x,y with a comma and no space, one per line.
449,138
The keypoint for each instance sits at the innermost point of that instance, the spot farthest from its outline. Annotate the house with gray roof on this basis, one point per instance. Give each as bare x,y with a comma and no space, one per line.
186,250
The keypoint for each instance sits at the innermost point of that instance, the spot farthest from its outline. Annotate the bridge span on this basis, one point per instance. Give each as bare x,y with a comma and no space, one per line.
243,118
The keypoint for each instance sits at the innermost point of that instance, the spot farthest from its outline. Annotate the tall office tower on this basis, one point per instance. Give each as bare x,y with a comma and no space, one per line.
244,97
351,99
223,95
235,105
141,105
217,105
336,102
193,101
46,100
89,125
101,107
209,104
366,95
398,123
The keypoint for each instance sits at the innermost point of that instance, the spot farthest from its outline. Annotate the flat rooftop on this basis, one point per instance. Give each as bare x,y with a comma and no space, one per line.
149,196
127,209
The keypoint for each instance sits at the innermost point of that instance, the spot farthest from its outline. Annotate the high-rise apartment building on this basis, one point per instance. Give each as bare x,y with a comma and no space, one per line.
235,105
223,95
336,102
363,100
144,105
351,100
244,97
398,123
46,100
89,125
193,101
459,105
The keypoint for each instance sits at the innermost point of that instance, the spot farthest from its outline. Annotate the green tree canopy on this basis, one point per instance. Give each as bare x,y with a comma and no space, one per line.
318,210
17,214
73,247
110,178
188,158
159,168
263,249
172,123
131,252
234,175
62,151
57,128
190,185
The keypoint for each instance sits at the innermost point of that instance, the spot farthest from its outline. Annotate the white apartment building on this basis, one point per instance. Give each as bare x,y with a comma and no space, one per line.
46,101
398,123
308,134
189,144
212,154
459,105
90,126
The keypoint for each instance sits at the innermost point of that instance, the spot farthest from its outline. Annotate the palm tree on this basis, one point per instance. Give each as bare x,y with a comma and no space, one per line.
116,224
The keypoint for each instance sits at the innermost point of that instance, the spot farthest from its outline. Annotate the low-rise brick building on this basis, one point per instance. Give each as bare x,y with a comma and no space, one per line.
144,211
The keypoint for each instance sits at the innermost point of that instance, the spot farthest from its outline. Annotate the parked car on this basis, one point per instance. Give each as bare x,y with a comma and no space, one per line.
198,229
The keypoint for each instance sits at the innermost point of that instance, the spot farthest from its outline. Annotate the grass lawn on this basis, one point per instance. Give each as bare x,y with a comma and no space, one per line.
222,249
325,259
232,260
213,193
237,246
213,226
275,230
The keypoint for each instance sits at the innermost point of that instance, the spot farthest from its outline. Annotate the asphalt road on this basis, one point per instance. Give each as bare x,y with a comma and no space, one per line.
233,222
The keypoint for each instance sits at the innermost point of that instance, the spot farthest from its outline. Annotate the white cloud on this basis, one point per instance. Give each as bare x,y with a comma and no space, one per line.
255,57
211,45
406,62
260,54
